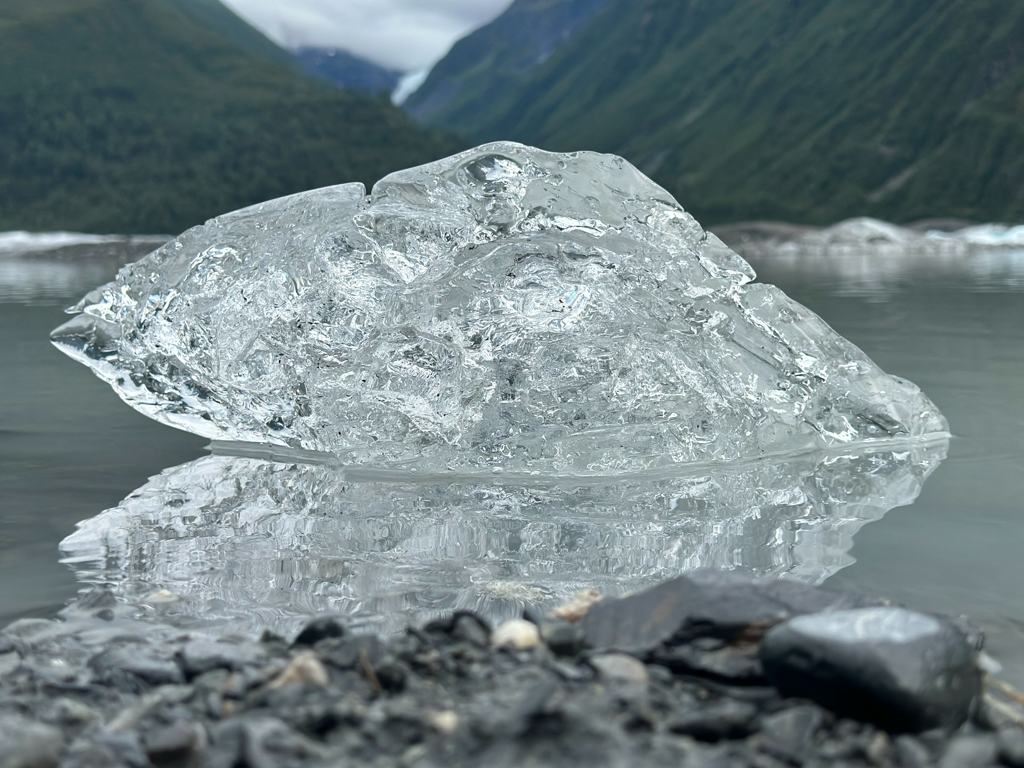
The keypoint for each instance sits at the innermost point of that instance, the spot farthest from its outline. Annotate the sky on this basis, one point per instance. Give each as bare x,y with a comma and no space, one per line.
406,35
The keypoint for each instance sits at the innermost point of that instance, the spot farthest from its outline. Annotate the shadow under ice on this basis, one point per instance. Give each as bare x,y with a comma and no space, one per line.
250,543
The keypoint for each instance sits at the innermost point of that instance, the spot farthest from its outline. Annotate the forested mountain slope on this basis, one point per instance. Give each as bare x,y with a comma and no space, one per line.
489,66
804,110
129,116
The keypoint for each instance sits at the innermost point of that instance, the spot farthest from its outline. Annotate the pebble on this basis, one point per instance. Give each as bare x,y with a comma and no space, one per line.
446,722
320,629
147,668
1011,747
349,652
620,668
902,670
577,608
25,744
562,637
789,735
161,597
517,634
174,742
9,662
911,753
723,719
199,656
304,669
969,752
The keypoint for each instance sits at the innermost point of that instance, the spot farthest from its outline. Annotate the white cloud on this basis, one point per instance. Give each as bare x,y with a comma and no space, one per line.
401,34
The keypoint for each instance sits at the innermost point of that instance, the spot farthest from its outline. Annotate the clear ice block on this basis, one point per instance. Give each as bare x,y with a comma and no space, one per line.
503,308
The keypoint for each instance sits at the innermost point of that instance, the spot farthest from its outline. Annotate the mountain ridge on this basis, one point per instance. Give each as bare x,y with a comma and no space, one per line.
798,110
126,116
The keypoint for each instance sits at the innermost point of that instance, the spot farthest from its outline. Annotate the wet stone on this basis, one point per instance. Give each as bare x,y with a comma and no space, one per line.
619,668
714,658
517,634
1011,747
9,662
320,629
724,719
115,664
902,670
199,656
26,744
911,753
726,605
176,741
970,752
352,651
789,735
563,638
304,669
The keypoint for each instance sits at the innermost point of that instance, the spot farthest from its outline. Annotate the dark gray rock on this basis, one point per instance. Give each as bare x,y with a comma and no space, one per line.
110,666
320,629
470,628
711,657
116,751
515,701
173,742
349,652
911,753
727,605
902,670
723,719
200,656
25,744
562,637
1011,747
970,752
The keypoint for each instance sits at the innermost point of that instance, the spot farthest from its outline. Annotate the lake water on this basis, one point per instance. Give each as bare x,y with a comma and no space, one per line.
938,528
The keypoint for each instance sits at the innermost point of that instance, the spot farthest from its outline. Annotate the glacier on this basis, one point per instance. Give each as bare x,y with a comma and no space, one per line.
503,310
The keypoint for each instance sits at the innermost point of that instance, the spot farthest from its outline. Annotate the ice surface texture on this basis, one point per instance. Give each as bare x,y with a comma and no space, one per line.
505,307
249,543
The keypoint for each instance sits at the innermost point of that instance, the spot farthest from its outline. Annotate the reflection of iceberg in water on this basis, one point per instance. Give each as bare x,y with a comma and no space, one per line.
252,543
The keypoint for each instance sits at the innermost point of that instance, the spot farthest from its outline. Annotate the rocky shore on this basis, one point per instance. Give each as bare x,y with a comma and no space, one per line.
710,669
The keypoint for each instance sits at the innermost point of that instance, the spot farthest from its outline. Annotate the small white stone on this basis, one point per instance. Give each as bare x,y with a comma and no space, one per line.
445,722
518,634
577,608
304,669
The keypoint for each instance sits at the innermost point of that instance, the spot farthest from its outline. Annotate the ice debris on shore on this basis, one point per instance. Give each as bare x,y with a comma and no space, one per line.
505,307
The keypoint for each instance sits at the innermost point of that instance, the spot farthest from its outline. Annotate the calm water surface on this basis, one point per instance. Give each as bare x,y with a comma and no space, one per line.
69,449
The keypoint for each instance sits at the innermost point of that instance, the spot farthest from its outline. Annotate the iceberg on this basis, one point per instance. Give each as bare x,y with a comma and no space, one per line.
249,542
502,310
